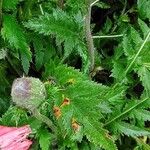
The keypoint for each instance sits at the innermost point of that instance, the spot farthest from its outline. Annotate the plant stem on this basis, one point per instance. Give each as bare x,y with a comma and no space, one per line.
107,36
94,3
41,9
125,112
89,38
124,8
130,65
1,3
44,119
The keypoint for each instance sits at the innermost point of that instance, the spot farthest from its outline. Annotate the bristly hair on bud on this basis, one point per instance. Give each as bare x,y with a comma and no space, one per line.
28,92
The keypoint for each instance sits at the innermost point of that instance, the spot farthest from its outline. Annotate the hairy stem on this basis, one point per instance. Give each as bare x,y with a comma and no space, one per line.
44,119
1,3
89,38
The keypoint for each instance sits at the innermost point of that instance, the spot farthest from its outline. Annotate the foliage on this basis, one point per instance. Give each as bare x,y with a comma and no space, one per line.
91,109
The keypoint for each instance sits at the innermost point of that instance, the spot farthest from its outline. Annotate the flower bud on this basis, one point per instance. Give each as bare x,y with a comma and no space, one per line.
28,92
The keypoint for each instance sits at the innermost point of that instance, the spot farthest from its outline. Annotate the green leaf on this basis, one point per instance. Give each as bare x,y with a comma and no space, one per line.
142,144
98,135
10,4
144,74
25,62
118,71
53,23
63,74
142,114
39,52
45,138
129,130
3,53
70,34
130,107
127,47
145,29
135,37
3,78
108,25
4,104
131,43
143,8
76,6
14,117
84,97
12,32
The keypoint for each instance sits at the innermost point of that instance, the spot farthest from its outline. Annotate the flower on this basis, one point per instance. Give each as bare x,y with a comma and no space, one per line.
14,138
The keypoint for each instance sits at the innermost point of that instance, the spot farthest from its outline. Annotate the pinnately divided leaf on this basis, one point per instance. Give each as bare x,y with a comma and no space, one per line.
63,26
101,109
83,97
12,32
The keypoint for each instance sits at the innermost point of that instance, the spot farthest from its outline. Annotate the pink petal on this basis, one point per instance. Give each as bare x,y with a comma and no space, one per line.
10,137
25,145
4,130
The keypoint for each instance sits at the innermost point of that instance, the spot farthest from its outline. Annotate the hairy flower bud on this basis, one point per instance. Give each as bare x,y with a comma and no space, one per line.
28,92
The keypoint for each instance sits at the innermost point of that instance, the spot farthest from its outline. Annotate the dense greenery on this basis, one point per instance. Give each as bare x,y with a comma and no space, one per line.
94,60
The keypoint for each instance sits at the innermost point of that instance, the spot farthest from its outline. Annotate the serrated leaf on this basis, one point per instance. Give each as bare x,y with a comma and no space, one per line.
60,19
117,114
45,138
98,135
131,43
128,48
25,63
130,130
17,39
118,71
143,8
107,26
145,29
51,24
142,114
84,96
39,52
10,4
14,117
135,36
144,74
63,74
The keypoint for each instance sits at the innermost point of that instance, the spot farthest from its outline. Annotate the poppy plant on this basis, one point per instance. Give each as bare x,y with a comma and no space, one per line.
15,138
